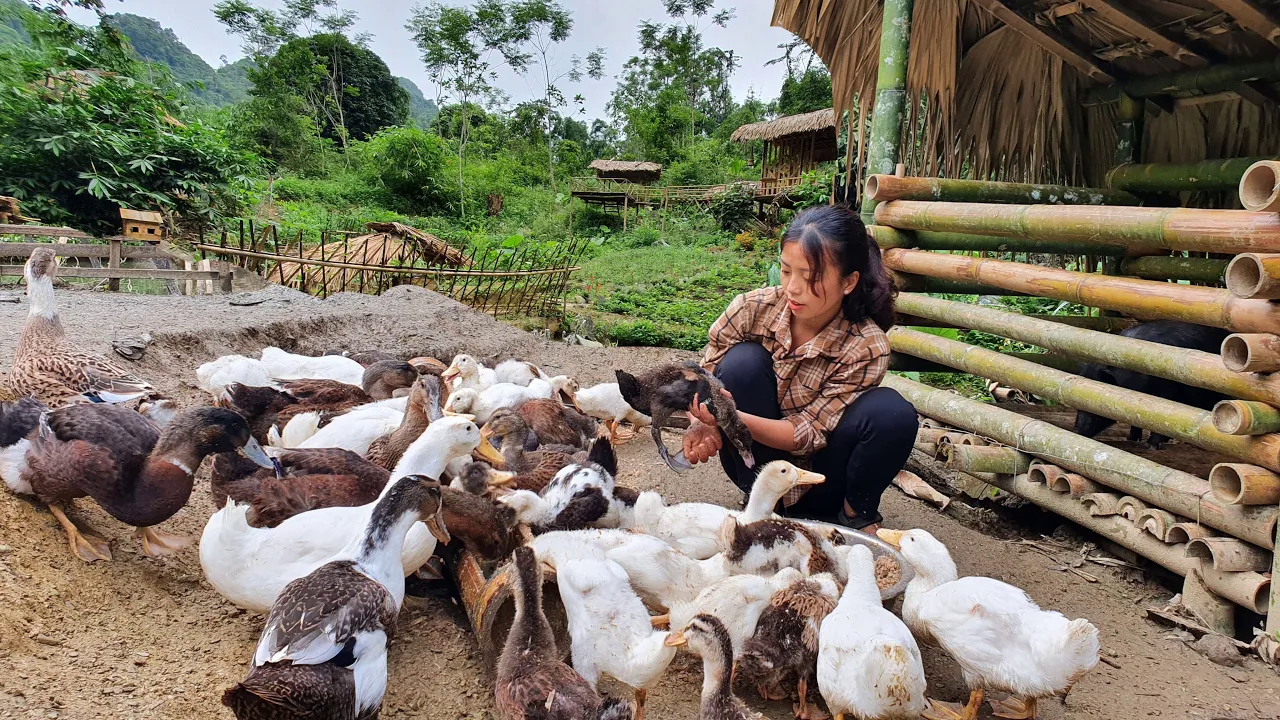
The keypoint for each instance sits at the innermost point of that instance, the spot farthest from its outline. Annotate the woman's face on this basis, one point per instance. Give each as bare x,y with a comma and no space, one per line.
821,302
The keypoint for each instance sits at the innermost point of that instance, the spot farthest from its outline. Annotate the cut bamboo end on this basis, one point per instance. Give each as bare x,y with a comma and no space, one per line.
1185,532
1251,352
952,437
1254,275
929,434
1260,187
1130,508
1250,590
1156,522
985,459
1244,484
1101,504
1073,484
1242,417
1226,554
1041,472
928,448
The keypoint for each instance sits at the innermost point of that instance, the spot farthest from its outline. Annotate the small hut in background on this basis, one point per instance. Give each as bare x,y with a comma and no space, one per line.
793,145
639,172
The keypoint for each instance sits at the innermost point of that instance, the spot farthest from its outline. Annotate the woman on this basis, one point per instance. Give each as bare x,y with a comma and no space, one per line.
803,363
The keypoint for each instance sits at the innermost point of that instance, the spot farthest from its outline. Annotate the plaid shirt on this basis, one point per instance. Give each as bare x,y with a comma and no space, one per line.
817,380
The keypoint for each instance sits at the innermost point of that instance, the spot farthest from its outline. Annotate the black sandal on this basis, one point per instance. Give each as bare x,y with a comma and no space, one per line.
859,522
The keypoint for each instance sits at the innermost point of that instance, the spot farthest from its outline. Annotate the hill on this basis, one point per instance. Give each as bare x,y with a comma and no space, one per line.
422,108
155,43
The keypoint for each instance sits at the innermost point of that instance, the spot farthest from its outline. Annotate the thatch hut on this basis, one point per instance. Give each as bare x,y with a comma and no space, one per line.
793,145
1030,91
633,171
389,245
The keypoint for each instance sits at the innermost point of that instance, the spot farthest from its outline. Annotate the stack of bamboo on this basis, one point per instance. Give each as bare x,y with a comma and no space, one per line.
1218,531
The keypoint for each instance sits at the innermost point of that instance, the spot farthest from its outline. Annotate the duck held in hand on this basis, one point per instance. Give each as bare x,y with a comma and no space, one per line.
668,389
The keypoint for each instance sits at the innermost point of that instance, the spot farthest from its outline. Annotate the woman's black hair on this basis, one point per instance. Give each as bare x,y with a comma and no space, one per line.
835,232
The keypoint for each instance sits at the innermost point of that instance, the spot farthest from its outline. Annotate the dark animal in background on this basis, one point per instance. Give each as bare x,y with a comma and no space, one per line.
1164,332
668,389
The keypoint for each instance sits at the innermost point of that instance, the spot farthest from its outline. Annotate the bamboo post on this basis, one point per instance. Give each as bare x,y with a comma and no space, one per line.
1254,275
888,237
1164,267
1167,417
1169,177
1138,228
1173,490
1190,367
884,188
1241,484
113,262
988,459
1260,187
891,93
1251,352
1241,417
1141,298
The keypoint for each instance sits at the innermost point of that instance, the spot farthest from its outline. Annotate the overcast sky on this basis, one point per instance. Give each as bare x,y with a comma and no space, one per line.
606,23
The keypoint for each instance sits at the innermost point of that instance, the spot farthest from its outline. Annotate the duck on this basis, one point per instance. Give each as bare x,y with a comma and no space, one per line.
532,683
555,424
484,403
214,376
485,527
669,389
517,372
365,357
479,478
323,651
534,468
786,641
380,381
604,402
466,373
577,496
303,479
421,410
48,366
707,636
1000,637
695,528
137,473
737,600
426,365
662,575
19,423
288,366
773,543
868,664
356,429
249,566
609,627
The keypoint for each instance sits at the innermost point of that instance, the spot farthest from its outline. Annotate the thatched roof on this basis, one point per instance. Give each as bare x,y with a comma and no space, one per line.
434,250
1021,89
810,122
631,170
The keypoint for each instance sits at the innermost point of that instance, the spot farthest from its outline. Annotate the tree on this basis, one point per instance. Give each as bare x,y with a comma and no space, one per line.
806,92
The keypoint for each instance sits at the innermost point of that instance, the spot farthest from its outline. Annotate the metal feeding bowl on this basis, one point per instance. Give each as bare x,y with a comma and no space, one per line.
878,548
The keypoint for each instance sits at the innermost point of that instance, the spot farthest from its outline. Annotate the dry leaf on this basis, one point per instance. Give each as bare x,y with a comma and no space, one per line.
911,484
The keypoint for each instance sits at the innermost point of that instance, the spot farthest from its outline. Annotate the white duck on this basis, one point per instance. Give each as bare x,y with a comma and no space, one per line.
287,366
484,403
610,628
214,376
250,566
605,402
868,663
772,543
465,372
736,601
518,372
354,430
999,636
694,528
562,504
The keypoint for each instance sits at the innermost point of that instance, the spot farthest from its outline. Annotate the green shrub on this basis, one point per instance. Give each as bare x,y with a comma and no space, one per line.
733,209
408,164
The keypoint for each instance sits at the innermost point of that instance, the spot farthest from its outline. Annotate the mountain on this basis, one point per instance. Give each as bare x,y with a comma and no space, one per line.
422,109
11,28
154,43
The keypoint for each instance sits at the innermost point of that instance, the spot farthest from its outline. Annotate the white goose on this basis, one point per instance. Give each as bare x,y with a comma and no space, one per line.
288,366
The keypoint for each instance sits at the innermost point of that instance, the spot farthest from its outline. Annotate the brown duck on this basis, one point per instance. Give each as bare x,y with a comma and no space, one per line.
533,468
307,479
422,409
786,641
668,389
555,424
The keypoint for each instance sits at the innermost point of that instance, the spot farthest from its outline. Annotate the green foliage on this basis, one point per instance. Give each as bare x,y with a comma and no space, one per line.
408,164
734,208
157,44
814,191
422,109
805,92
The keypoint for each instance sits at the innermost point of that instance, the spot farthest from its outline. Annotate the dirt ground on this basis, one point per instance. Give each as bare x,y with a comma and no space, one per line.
140,638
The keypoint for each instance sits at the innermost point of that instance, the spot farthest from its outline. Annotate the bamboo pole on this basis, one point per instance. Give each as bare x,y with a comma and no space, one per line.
1138,228
1229,554
891,92
1210,79
1247,589
907,363
1251,352
1141,298
887,237
1089,322
1259,187
925,284
884,188
1241,417
1241,484
1254,275
985,459
1175,177
1173,490
1190,367
1164,267
1167,417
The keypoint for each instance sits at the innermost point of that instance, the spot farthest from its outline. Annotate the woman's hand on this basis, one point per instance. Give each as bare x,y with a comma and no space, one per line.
702,439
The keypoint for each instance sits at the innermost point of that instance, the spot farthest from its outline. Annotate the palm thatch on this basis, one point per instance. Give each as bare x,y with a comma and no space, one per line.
818,121
433,250
1018,98
629,170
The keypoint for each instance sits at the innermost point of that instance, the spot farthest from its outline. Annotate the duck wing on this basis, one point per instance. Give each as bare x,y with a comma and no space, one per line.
324,692
18,419
325,392
278,499
129,435
332,461
65,375
315,616
547,691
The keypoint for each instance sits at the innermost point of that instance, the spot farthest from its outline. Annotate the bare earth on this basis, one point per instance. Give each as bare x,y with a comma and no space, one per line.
139,638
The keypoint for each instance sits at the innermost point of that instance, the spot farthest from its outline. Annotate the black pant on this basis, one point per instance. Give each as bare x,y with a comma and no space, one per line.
868,447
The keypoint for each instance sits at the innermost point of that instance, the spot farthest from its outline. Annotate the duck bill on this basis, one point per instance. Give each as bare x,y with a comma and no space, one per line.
489,452
254,452
675,639
501,478
437,528
810,478
450,373
893,537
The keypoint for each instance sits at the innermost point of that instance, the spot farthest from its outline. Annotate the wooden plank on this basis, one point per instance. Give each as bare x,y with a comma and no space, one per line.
84,250
1125,20
1251,18
1050,42
122,273
43,231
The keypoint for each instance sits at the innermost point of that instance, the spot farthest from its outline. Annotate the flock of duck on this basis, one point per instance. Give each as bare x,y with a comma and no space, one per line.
336,477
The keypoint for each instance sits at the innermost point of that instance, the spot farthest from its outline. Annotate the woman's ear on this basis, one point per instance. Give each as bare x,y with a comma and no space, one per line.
851,282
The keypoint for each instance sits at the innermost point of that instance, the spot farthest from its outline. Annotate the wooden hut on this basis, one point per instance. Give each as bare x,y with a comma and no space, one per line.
631,171
793,145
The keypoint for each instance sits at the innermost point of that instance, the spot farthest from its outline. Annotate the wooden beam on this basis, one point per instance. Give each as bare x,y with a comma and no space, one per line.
1251,18
43,231
1125,20
123,273
84,250
1050,42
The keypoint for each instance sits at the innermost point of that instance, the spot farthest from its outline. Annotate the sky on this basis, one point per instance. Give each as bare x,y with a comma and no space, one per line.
610,24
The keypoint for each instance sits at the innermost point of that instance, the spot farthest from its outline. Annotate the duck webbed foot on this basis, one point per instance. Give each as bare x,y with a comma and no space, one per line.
641,694
622,434
84,545
158,543
676,462
658,621
939,710
1014,708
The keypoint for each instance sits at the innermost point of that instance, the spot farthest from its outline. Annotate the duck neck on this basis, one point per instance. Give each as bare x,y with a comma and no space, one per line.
761,502
427,455
930,574
531,638
857,593
415,422
40,297
378,548
716,663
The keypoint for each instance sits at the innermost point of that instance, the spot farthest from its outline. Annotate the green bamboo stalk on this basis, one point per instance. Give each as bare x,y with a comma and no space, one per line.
1169,418
1177,177
924,284
1164,267
907,363
891,92
986,459
1129,116
1174,490
1190,367
887,237
1089,322
1211,79
1241,417
884,188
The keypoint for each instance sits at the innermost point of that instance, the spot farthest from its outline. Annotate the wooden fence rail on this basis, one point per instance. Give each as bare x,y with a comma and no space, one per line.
114,251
